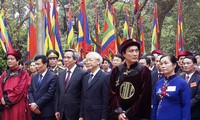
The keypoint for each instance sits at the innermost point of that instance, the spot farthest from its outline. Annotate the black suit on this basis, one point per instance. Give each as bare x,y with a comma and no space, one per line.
94,103
68,99
44,95
154,68
194,83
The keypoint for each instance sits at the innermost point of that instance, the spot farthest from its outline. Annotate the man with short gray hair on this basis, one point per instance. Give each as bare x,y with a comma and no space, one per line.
68,93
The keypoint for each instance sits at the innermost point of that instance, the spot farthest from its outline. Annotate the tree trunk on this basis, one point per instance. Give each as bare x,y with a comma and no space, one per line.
40,28
164,6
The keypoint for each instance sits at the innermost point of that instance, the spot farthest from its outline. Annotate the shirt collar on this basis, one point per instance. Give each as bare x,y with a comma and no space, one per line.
54,68
95,72
72,69
190,75
44,73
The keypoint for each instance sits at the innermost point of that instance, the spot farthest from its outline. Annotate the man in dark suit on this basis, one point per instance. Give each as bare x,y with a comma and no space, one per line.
94,102
42,91
193,79
68,93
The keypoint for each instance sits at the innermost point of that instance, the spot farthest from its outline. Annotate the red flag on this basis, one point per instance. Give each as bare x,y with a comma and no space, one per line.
32,43
179,34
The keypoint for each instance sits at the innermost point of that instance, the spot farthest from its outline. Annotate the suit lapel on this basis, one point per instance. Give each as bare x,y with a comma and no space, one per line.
192,79
36,81
43,79
95,78
73,76
63,77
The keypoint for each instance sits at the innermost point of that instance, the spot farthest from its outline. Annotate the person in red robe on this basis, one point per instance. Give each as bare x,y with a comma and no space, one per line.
130,86
13,89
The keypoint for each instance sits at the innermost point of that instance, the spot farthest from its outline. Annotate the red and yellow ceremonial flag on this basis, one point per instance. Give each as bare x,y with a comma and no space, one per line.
32,43
126,30
109,43
84,42
141,30
47,43
155,30
70,31
97,28
5,36
56,31
179,34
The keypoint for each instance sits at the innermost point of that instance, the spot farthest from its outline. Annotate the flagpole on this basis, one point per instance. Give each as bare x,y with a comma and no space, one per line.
40,28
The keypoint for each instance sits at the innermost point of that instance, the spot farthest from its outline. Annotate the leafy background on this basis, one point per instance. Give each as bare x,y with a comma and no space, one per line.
17,18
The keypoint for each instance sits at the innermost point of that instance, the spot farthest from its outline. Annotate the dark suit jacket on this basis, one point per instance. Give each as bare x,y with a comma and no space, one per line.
94,102
154,79
68,100
44,95
154,69
194,84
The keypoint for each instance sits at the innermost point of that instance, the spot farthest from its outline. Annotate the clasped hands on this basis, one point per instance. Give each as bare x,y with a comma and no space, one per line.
34,107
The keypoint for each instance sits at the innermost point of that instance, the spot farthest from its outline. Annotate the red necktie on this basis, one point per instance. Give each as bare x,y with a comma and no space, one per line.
187,78
67,79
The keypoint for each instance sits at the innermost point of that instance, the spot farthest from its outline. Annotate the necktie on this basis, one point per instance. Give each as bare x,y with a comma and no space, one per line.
39,80
187,78
68,77
90,79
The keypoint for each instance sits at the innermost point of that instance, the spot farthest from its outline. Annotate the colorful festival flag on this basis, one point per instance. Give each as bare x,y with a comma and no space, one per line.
97,27
126,30
31,42
109,38
70,31
155,30
141,30
47,43
5,38
84,42
179,34
55,31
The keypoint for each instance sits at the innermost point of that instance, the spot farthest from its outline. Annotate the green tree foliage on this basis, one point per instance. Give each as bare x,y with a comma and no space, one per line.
2,61
17,18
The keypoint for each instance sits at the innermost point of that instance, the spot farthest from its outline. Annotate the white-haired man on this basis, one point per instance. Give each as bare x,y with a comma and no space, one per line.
94,103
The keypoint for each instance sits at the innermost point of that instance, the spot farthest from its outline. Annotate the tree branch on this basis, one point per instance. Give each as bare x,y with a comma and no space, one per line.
110,1
95,42
21,22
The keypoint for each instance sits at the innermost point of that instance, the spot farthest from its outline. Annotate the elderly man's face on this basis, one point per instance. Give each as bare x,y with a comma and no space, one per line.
91,63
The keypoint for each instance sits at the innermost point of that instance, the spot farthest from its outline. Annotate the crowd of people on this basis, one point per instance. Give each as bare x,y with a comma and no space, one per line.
155,86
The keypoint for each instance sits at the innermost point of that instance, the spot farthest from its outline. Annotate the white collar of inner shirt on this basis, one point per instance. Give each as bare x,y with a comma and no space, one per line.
44,73
190,75
72,69
95,72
